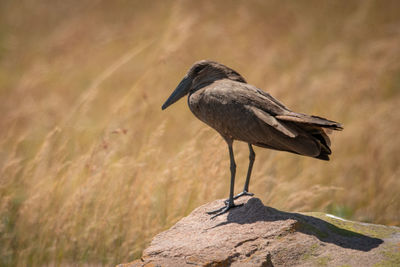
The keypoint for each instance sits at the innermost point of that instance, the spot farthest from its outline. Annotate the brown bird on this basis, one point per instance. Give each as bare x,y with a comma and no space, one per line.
220,97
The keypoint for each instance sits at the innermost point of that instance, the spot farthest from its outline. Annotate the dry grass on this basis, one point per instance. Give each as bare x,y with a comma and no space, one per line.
91,169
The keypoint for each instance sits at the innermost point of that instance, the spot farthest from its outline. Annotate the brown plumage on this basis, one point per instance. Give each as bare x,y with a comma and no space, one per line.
220,97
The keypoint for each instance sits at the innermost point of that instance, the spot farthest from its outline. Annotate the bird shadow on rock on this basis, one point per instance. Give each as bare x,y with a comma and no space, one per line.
254,210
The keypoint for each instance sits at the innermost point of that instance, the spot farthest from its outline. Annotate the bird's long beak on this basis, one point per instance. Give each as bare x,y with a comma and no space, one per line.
181,90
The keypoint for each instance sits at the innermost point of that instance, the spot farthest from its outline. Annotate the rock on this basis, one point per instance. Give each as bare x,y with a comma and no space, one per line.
257,235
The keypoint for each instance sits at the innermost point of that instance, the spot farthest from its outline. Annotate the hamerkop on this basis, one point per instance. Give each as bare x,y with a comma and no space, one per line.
220,97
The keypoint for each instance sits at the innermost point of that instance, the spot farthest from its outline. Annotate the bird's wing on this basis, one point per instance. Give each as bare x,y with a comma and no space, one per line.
267,103
258,102
311,120
269,98
271,121
251,95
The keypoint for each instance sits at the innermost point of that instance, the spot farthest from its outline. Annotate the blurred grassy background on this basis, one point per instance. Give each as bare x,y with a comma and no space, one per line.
91,169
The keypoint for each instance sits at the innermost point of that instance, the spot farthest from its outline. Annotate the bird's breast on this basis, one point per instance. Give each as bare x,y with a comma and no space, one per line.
219,111
207,107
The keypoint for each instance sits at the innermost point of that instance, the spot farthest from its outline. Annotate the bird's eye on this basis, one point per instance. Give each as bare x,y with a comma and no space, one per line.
197,69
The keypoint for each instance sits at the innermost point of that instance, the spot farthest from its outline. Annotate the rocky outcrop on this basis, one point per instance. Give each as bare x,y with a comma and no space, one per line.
257,235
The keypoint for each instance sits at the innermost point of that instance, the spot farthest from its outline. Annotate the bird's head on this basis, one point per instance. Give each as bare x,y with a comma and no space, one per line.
199,75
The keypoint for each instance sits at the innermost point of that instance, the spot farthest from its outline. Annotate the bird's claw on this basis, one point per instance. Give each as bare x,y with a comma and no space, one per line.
244,193
222,210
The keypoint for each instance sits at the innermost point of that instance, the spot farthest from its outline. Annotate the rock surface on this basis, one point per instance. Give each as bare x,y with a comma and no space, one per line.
257,235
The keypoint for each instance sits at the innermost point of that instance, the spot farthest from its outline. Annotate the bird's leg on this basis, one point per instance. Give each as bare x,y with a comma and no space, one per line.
252,157
246,192
228,204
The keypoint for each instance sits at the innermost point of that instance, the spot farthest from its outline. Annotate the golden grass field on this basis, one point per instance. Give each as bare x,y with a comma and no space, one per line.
91,168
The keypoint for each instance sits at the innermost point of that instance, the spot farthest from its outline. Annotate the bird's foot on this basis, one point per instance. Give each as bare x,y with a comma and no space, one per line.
244,193
222,210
